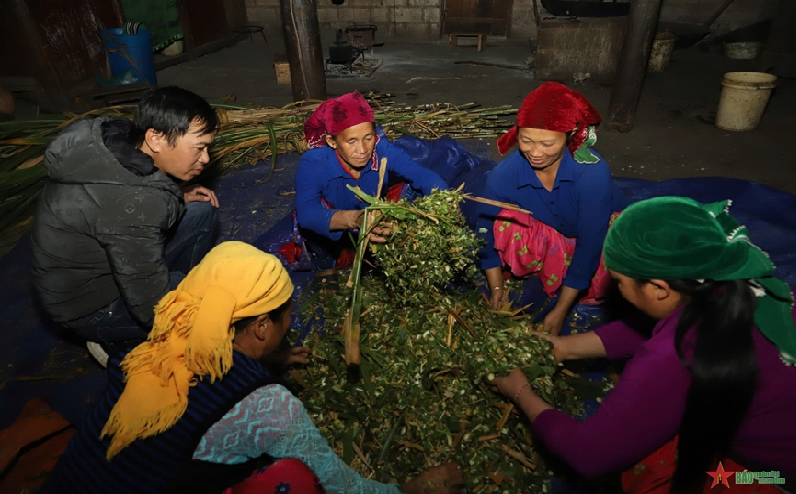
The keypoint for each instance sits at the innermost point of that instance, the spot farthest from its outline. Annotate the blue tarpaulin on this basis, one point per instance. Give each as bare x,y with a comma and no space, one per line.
38,359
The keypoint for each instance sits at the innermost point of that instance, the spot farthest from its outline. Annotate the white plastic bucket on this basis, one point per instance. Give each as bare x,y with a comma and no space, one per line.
661,51
744,96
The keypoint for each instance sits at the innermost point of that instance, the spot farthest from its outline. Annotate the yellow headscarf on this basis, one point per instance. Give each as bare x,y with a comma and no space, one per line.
192,338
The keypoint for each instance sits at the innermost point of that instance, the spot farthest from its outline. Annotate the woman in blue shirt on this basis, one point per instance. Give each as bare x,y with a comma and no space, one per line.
569,191
345,149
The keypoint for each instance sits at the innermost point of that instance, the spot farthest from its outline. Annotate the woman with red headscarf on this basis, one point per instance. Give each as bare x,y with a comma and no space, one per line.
566,186
345,149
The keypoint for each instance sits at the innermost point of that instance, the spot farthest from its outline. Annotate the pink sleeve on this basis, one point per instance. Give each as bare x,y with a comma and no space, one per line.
639,415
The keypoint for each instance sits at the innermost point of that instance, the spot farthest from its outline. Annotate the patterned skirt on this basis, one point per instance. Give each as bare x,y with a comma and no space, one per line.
531,248
653,475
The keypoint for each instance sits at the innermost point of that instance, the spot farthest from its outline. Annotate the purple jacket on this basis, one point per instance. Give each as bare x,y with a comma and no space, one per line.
644,410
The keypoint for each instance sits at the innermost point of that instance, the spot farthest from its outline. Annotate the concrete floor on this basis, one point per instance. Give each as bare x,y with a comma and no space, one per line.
673,134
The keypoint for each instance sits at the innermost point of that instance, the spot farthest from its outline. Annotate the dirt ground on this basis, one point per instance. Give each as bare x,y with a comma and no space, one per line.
673,137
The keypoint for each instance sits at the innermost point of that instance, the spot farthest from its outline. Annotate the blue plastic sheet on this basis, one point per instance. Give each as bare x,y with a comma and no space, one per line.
39,361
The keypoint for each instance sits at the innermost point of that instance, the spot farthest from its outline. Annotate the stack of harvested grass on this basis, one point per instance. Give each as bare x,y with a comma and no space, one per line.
245,137
250,135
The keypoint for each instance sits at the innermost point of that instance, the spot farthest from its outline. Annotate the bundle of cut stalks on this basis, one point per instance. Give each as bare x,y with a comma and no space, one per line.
250,135
245,137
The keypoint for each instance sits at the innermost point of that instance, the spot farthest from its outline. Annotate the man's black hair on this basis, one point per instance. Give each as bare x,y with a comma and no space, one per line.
170,110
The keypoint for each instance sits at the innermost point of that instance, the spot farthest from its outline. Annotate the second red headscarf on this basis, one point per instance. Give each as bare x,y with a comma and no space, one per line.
553,106
336,115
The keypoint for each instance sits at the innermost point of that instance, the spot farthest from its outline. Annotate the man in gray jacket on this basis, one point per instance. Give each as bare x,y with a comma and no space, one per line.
116,226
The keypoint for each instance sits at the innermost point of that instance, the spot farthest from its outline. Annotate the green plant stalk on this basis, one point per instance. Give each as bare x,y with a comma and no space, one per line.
273,143
351,330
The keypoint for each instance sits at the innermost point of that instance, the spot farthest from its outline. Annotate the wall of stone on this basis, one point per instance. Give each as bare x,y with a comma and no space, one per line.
265,13
420,19
411,19
523,24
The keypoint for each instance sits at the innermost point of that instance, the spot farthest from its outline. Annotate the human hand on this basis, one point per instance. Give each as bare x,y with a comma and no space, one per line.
499,297
353,218
560,350
197,193
554,321
379,234
443,479
289,356
513,385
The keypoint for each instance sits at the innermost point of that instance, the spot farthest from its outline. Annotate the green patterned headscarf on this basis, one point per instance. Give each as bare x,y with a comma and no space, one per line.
674,238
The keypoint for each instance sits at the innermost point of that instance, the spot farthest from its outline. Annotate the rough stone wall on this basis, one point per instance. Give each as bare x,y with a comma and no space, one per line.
265,13
420,19
523,24
413,19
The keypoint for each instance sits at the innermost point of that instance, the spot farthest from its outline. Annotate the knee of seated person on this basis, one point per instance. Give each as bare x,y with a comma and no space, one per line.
202,211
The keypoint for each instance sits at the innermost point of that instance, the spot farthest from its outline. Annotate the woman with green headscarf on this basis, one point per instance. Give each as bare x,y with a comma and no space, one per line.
712,387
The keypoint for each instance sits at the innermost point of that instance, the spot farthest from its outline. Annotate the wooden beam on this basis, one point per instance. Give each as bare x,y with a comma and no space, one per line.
303,43
629,79
187,32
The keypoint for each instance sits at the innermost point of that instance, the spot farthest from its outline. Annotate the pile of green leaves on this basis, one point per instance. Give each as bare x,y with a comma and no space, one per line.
425,252
419,396
418,402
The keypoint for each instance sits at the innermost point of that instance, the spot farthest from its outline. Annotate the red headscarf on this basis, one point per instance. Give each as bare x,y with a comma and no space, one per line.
553,106
334,116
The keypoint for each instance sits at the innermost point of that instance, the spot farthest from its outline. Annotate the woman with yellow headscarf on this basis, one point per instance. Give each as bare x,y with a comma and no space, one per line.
192,409
709,387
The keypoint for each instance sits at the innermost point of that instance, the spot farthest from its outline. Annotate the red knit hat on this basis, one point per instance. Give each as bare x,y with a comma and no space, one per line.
334,116
553,106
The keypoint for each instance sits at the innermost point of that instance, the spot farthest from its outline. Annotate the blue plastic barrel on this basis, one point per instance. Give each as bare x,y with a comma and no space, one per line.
130,51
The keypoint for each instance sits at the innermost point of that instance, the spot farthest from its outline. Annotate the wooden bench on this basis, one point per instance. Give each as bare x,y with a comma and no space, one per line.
454,39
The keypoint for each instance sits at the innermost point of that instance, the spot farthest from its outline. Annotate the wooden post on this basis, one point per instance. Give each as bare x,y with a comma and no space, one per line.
303,43
183,9
629,78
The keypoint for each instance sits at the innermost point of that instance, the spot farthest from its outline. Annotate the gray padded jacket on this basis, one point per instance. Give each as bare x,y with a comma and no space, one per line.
100,229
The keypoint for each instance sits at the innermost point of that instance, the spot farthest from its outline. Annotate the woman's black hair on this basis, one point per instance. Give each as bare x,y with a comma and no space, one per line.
170,110
723,373
275,377
274,315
